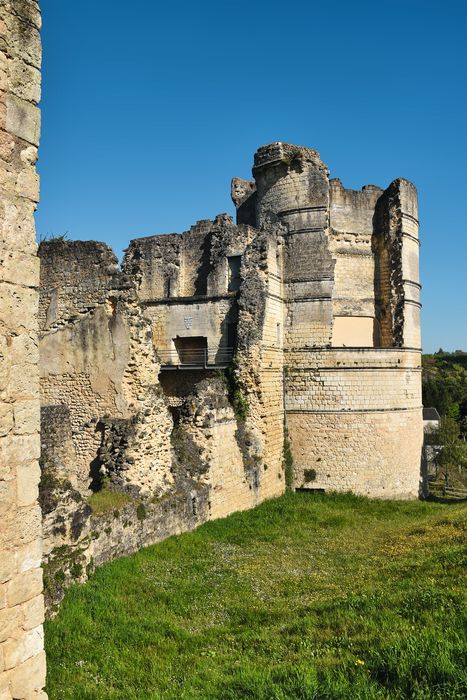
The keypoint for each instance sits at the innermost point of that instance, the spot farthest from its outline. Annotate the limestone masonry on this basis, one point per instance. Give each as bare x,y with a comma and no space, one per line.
209,371
22,659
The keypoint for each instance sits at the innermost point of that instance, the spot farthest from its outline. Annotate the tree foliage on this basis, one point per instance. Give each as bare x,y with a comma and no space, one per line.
445,385
452,453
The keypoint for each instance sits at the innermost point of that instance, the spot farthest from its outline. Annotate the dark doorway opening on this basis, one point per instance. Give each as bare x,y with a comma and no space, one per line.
192,351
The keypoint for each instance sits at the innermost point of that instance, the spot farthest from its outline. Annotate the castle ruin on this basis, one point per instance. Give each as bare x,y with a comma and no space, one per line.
204,374
217,365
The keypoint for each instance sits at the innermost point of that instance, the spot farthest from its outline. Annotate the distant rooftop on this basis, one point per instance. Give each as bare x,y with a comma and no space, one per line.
430,414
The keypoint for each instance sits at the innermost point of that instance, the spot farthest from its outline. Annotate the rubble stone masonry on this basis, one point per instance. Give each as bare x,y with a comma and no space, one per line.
22,659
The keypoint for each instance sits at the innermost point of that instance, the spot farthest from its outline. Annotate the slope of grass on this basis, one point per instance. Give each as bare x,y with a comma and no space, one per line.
308,597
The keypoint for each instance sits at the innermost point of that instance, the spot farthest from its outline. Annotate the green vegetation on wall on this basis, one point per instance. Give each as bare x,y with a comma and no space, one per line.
288,461
236,396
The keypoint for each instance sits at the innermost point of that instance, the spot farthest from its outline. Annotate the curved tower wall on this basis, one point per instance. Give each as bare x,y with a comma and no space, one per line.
352,325
293,187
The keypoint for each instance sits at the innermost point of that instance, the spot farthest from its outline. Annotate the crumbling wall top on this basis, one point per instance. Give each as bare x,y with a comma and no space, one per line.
286,153
75,277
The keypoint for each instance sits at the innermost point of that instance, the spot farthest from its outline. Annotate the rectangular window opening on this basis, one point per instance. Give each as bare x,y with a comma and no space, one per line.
235,262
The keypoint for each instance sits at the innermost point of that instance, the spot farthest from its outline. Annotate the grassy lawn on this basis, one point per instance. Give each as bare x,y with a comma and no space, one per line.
308,596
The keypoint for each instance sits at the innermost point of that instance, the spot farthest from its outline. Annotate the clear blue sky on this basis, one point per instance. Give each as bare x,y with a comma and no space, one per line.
150,107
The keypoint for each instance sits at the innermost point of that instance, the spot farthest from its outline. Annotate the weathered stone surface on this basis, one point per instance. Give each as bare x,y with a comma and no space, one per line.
10,622
25,586
97,358
22,660
27,646
29,556
33,612
23,119
27,482
26,677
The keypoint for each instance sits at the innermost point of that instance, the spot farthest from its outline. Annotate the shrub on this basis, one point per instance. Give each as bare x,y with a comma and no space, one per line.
141,512
310,475
288,461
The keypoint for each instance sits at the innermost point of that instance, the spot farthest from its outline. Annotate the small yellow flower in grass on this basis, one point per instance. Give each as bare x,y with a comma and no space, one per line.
359,662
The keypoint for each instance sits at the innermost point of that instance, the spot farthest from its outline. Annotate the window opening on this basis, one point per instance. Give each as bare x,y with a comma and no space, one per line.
235,262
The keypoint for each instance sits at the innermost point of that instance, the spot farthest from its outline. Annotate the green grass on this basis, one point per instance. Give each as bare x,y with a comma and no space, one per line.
106,500
306,597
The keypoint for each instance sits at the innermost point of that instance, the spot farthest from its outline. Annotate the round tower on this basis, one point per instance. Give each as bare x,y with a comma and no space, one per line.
292,185
351,327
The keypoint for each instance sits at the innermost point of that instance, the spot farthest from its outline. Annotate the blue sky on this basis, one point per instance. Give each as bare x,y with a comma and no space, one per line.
150,107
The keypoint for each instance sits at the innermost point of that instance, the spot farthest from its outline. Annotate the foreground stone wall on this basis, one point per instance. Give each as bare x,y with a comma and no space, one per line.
22,660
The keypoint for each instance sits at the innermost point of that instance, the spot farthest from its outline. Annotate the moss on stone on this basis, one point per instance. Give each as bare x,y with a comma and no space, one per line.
107,500
141,512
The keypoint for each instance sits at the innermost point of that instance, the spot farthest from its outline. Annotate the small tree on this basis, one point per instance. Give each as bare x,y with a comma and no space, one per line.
463,429
454,411
452,454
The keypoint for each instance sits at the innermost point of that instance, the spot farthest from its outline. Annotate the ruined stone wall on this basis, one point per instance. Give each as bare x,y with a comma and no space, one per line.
210,434
77,538
243,454
352,224
154,264
203,306
22,659
396,247
83,530
189,264
227,239
259,359
196,259
208,318
57,445
76,277
183,438
97,359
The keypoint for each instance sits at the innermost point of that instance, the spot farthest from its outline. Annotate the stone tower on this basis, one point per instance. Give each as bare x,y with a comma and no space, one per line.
351,342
